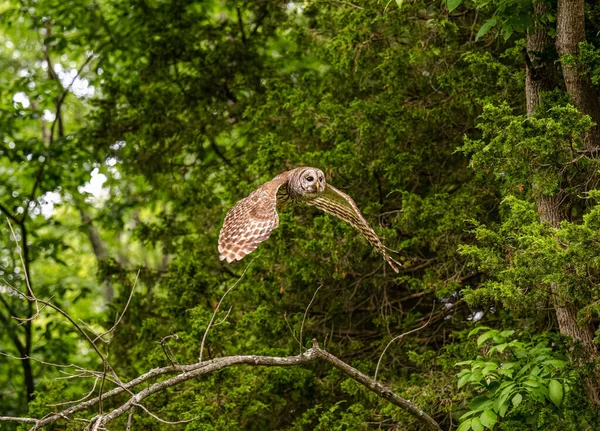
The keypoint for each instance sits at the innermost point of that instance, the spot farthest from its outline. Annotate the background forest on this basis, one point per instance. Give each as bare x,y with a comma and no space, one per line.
466,131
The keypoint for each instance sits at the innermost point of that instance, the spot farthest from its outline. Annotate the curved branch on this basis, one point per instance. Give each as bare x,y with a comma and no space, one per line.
188,372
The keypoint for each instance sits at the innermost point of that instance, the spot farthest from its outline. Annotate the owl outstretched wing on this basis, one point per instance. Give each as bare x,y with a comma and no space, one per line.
251,221
339,204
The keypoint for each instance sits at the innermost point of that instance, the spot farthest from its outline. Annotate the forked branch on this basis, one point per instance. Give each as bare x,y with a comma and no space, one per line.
188,372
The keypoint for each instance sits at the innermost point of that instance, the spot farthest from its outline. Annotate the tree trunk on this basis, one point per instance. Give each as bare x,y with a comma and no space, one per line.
570,31
540,69
553,209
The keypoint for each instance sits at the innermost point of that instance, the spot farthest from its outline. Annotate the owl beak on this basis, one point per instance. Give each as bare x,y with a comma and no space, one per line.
317,185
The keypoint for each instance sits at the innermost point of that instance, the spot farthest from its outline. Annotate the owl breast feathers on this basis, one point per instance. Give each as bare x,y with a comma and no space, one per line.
253,218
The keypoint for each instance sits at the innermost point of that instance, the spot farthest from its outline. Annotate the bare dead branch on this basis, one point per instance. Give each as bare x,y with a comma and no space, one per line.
130,419
16,419
378,388
188,372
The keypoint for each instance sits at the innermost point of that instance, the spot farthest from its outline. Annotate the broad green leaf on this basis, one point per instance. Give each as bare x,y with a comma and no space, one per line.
453,4
517,400
555,392
481,402
476,425
464,380
465,426
488,418
468,415
557,363
476,376
484,337
490,23
502,410
476,330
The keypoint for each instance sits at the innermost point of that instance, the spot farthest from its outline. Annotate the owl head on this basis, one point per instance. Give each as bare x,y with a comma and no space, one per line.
308,182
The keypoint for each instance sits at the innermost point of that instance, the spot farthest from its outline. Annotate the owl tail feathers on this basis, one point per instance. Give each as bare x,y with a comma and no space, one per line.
392,262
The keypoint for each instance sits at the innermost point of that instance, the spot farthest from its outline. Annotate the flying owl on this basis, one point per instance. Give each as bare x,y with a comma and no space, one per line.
253,218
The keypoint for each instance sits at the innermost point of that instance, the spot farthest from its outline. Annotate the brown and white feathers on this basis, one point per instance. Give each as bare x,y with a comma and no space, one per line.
253,218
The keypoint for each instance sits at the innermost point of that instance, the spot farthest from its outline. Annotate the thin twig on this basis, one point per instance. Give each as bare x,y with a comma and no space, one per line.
19,250
185,421
291,329
165,346
130,419
401,336
89,394
224,318
61,100
123,313
304,318
217,310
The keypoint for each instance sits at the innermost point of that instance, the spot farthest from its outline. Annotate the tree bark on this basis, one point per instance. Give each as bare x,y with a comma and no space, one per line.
540,77
539,66
570,32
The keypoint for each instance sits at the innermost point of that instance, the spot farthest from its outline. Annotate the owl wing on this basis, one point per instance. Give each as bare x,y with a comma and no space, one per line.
251,221
339,204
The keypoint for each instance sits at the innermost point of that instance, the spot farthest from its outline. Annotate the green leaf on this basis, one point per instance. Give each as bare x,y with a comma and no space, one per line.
465,426
476,425
500,348
557,363
555,392
399,3
502,410
517,400
453,4
476,330
484,337
488,418
506,30
480,403
490,23
476,376
464,380
468,415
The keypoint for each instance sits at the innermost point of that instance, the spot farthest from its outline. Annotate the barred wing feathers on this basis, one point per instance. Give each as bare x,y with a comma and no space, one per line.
250,221
339,204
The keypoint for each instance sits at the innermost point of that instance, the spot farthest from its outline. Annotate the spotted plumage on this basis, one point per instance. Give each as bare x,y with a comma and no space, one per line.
253,218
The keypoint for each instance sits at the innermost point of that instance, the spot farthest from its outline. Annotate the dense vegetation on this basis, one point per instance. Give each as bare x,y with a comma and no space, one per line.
465,131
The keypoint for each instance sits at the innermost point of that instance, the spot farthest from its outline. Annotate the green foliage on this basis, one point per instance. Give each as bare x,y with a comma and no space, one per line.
195,104
509,373
529,154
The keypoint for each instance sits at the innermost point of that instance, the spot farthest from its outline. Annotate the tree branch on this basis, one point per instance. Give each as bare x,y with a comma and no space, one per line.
188,372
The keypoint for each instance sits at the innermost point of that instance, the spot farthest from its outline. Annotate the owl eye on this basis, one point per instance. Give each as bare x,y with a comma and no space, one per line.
309,179
321,179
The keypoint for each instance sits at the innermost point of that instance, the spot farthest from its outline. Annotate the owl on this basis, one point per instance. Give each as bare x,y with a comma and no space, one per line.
253,218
